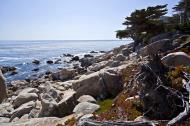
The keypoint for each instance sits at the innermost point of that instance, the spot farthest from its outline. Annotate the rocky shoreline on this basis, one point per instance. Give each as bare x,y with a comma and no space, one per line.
38,67
70,96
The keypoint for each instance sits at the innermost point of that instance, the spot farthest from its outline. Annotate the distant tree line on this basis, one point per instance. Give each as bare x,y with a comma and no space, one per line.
143,24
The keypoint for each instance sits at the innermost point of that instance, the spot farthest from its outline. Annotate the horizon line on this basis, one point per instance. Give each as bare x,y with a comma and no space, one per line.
70,40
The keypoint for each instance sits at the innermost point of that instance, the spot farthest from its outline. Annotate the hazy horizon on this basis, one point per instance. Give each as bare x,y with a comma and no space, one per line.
67,19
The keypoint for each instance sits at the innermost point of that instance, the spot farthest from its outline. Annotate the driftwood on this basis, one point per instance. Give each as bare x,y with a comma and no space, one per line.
87,122
160,102
186,113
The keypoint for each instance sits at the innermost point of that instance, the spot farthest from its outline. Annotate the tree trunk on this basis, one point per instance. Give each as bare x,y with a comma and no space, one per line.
186,11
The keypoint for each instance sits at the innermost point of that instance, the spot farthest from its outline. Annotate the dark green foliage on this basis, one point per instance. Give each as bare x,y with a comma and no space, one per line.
172,24
183,9
184,27
180,6
143,24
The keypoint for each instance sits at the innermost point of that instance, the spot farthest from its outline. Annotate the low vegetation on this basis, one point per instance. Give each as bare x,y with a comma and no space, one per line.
175,76
122,107
105,105
71,122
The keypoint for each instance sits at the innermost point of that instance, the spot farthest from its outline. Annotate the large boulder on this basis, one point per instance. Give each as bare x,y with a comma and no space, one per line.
56,94
34,113
67,104
97,66
64,74
49,106
5,109
89,85
86,108
23,109
120,57
118,49
99,84
85,62
3,92
24,98
18,85
153,48
112,82
4,120
176,59
168,35
48,88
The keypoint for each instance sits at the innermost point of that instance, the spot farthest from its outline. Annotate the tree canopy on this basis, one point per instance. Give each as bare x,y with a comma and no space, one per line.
183,8
143,24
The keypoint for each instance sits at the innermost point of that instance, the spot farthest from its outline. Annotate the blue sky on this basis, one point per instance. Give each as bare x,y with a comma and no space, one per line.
67,19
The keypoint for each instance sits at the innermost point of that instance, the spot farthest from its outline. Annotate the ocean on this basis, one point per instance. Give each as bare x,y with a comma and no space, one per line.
20,54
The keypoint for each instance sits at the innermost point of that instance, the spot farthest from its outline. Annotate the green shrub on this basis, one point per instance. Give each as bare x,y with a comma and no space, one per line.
184,27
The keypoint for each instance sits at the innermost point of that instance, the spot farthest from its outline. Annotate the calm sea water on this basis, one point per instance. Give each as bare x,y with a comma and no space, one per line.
21,53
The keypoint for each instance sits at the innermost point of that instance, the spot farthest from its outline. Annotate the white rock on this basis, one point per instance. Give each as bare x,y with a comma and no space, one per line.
23,98
176,59
4,120
86,108
29,90
86,98
5,109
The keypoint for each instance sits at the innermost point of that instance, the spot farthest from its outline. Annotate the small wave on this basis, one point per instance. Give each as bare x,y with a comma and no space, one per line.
13,58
